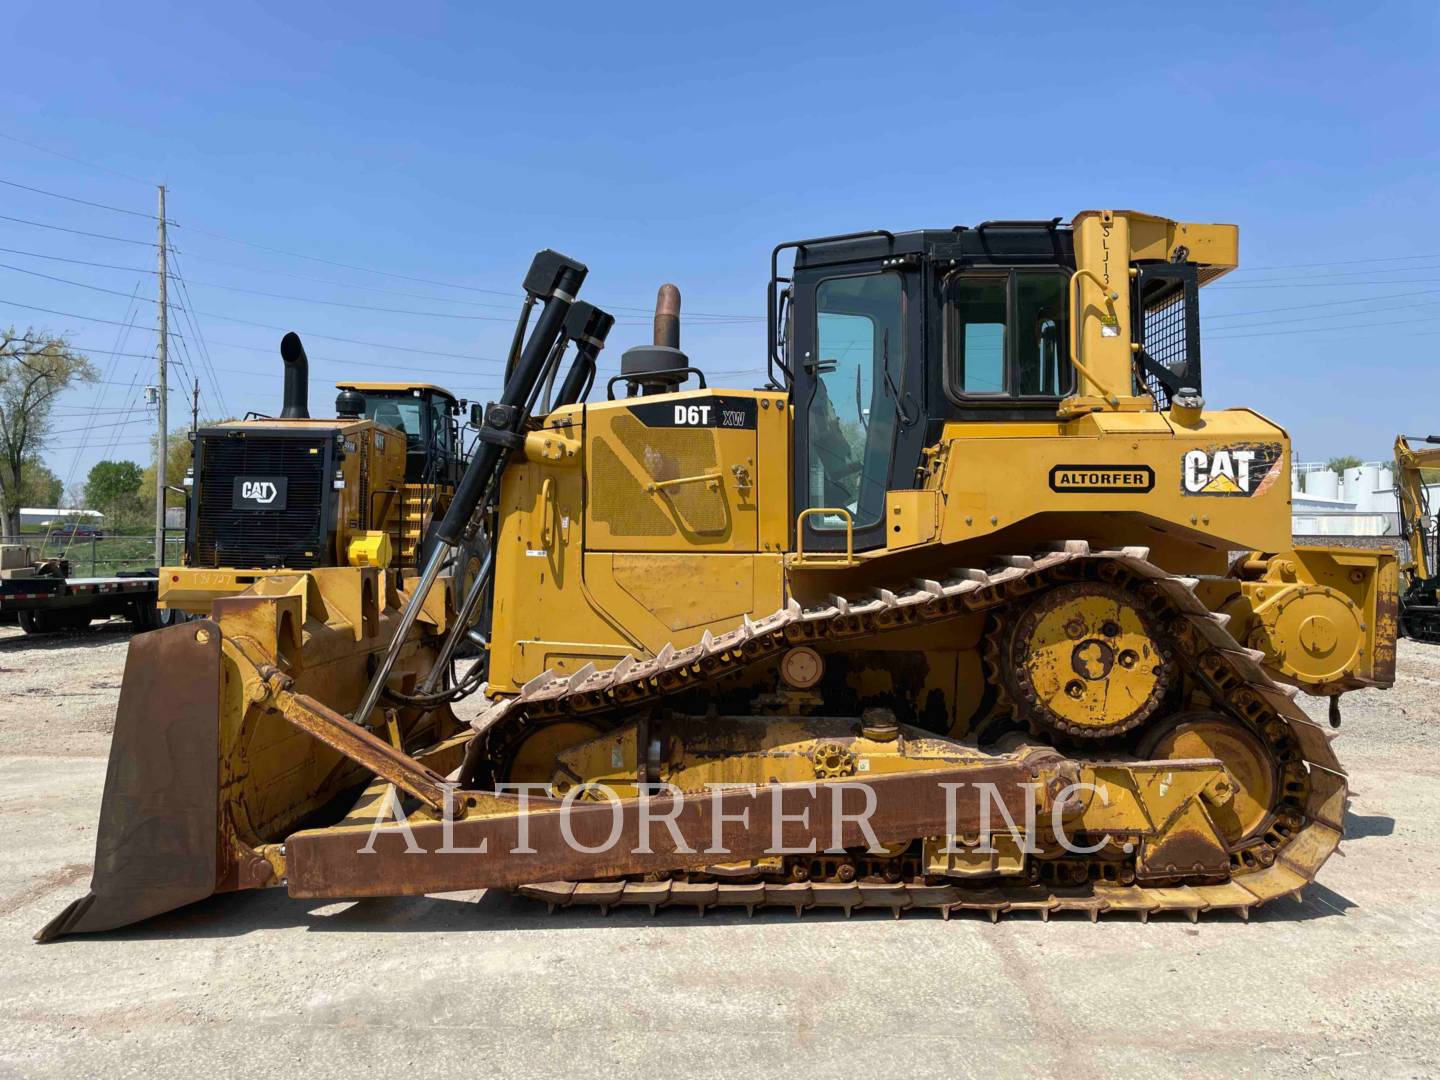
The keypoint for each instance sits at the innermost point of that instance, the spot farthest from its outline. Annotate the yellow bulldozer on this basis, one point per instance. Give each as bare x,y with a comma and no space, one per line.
974,606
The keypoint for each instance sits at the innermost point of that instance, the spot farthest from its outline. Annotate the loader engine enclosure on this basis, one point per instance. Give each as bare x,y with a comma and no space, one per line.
265,499
971,549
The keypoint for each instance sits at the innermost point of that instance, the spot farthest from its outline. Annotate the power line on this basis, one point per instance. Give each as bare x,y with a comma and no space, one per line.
1338,262
1328,284
73,199
201,344
432,281
709,316
103,427
132,313
708,320
81,262
1322,329
267,326
1322,304
69,157
92,409
1314,318
76,232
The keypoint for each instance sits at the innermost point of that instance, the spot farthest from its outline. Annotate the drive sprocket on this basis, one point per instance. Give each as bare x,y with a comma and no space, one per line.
1086,660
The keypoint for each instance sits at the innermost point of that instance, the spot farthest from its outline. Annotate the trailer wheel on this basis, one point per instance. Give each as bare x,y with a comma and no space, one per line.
143,616
34,622
53,622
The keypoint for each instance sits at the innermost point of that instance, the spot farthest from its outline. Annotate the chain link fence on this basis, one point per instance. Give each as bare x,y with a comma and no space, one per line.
108,555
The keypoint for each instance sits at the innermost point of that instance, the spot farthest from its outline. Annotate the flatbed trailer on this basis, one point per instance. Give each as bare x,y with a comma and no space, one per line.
43,604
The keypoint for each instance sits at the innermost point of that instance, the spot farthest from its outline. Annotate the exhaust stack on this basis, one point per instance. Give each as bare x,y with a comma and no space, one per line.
297,378
667,317
661,367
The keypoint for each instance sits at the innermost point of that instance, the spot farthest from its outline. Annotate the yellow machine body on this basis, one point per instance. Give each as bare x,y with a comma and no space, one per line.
616,540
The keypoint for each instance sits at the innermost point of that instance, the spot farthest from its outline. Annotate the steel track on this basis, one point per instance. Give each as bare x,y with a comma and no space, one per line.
1307,820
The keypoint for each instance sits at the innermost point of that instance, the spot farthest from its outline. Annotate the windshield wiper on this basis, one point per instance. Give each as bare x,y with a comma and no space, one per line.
905,418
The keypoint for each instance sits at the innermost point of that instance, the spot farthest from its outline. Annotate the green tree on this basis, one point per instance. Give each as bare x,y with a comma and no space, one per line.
113,488
42,487
177,459
178,456
35,368
1347,461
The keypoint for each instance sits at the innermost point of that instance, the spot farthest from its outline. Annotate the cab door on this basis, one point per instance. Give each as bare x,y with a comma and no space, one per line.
858,399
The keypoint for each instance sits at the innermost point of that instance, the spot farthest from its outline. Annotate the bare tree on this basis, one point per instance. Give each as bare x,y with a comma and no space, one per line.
34,368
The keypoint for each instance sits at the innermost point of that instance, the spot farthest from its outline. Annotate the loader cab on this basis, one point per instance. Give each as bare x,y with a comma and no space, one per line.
884,337
427,416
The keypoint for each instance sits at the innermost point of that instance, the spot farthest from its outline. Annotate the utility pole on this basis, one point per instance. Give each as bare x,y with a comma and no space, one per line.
195,407
162,445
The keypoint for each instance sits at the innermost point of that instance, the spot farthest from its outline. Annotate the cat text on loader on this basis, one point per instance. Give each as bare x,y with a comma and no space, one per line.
944,617
295,492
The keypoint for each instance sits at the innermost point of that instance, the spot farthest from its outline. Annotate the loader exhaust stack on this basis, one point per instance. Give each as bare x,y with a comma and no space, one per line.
297,378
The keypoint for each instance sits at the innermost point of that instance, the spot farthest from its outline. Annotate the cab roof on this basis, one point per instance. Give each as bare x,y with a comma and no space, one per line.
363,386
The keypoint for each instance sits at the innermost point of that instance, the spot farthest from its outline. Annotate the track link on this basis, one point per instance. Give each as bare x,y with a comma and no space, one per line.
1306,828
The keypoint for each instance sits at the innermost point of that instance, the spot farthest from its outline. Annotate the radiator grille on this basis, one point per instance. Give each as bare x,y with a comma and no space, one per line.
618,499
257,539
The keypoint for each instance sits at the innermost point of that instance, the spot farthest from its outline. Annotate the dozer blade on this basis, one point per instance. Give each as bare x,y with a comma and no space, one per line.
156,846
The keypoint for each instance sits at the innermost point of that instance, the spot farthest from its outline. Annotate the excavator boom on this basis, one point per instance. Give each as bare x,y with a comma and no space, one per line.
1419,603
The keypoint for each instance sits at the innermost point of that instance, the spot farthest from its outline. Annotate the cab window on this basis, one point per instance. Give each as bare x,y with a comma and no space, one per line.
403,412
1006,335
440,423
851,421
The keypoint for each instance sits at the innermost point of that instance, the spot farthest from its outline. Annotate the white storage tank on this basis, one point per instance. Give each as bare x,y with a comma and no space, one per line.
1362,486
1322,484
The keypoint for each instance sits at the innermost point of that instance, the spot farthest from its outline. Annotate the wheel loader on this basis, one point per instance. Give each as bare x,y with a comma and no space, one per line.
296,492
974,606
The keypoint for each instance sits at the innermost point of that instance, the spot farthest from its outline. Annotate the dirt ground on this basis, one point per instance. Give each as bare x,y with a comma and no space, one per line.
1346,982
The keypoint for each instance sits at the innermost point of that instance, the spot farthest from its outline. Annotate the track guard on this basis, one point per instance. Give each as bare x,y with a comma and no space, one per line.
156,846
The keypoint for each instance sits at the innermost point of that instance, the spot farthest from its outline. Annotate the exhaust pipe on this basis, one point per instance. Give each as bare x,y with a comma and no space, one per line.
659,368
667,317
297,378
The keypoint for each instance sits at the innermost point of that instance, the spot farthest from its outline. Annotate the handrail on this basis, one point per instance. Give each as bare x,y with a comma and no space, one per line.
547,528
1077,338
849,533
661,485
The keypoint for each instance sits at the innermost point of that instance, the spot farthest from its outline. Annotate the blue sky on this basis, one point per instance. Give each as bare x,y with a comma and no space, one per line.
446,143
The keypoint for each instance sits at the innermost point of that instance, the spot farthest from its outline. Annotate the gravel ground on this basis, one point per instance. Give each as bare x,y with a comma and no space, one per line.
1345,983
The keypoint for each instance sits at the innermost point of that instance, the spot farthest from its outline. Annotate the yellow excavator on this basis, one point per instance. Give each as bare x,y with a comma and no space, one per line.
974,606
1420,576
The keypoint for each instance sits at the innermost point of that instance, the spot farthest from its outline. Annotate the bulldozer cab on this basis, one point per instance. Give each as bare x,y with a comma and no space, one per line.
884,338
426,416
